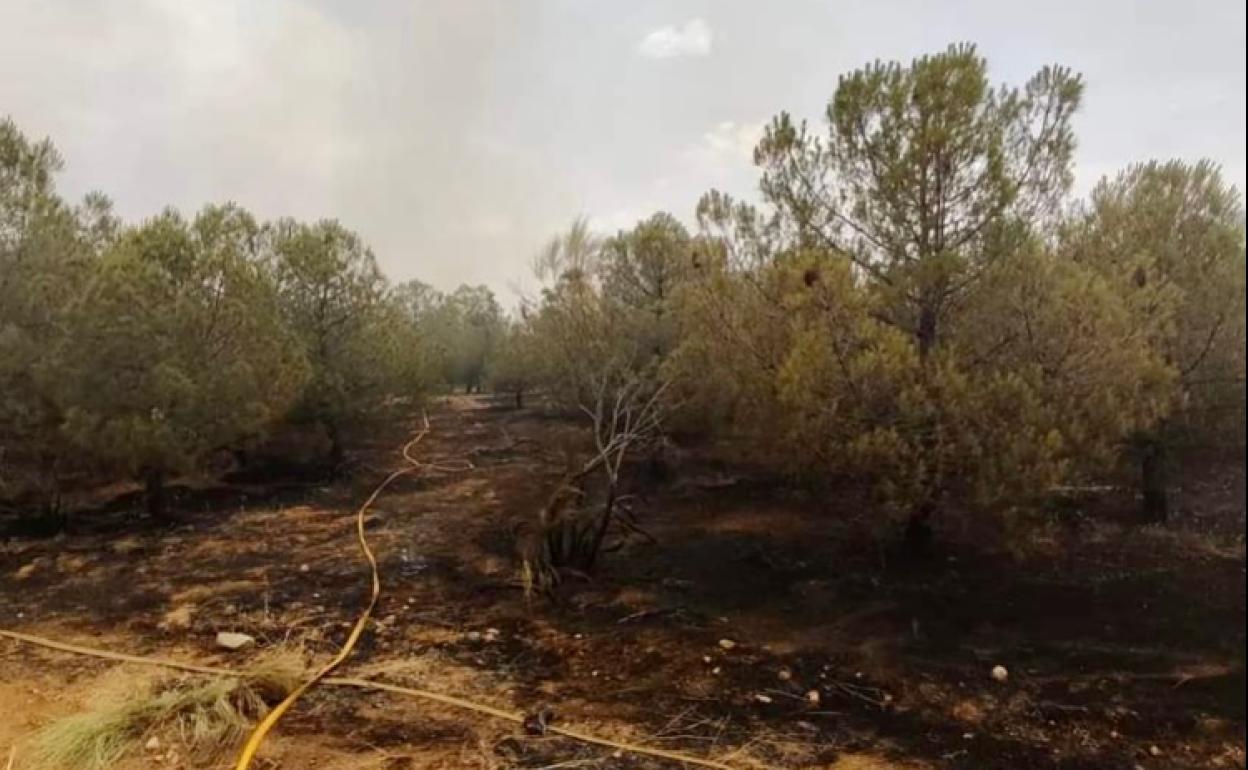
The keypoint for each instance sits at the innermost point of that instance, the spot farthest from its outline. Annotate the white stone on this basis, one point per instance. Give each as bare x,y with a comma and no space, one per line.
232,640
1000,673
726,644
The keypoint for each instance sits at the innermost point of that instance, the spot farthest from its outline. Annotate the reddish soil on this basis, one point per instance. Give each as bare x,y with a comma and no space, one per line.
1124,645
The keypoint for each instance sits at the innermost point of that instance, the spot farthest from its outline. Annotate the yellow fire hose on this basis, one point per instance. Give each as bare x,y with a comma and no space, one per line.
248,752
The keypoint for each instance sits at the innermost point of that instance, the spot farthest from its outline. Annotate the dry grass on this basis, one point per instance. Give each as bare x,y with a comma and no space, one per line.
203,717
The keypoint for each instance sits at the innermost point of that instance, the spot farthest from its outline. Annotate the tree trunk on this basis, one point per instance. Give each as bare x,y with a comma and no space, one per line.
337,455
1154,500
608,511
927,333
917,540
154,490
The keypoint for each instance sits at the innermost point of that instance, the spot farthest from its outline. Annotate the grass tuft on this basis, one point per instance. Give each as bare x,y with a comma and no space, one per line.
203,717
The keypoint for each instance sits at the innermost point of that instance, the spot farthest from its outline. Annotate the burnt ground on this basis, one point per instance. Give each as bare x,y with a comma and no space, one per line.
1124,645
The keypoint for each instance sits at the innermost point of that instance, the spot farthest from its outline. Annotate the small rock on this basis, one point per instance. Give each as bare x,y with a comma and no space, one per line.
26,571
232,640
389,620
1000,674
706,659
726,644
474,636
762,698
1154,750
153,744
784,675
812,697
304,568
967,736
716,670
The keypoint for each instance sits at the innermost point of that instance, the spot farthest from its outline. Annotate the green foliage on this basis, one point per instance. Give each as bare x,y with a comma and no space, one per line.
926,175
643,271
1169,237
47,252
357,339
897,317
178,346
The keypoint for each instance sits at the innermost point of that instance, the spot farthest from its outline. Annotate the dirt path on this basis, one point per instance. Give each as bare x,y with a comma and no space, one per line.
1117,643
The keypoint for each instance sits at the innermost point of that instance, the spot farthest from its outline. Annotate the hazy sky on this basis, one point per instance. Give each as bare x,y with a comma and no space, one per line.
456,136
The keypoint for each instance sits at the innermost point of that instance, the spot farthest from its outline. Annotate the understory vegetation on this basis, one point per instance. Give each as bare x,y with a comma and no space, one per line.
915,307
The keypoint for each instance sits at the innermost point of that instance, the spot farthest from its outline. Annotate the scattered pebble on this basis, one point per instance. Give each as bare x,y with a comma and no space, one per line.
304,568
706,659
784,675
1000,674
1154,750
812,697
762,698
473,636
967,736
232,640
716,670
153,744
726,644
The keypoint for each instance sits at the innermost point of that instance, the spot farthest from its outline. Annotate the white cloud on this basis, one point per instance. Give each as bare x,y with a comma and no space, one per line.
693,38
727,144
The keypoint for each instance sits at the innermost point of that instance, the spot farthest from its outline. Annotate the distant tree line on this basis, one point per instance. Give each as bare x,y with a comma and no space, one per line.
917,307
143,350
